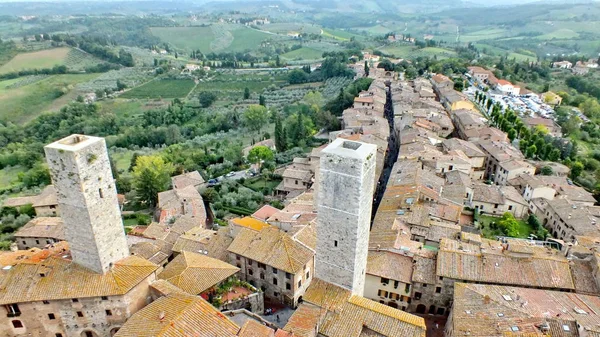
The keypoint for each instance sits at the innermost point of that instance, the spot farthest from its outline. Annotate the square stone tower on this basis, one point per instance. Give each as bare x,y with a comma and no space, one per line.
87,197
346,186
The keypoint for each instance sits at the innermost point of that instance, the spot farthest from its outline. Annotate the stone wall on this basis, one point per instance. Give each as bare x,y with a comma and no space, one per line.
87,196
346,186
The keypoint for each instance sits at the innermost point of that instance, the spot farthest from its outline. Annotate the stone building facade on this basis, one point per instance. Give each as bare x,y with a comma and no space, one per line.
87,197
347,175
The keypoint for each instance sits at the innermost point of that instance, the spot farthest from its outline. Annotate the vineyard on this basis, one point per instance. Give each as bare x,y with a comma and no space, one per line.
161,89
333,85
79,60
27,80
130,76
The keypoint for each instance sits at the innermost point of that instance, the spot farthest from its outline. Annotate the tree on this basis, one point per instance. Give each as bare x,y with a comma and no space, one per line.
121,86
206,98
133,161
260,154
554,155
386,64
255,117
547,171
531,151
277,61
280,138
247,93
151,175
366,68
262,101
509,225
576,170
512,134
297,76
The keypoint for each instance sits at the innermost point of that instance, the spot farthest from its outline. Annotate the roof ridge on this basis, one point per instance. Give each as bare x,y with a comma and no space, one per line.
287,253
192,301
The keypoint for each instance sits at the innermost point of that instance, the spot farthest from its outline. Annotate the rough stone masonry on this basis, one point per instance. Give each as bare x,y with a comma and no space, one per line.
346,185
87,196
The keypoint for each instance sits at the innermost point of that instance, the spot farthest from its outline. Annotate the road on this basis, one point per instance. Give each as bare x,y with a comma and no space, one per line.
390,157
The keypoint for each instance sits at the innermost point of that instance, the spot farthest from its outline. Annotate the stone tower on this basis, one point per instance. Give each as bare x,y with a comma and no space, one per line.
87,197
346,185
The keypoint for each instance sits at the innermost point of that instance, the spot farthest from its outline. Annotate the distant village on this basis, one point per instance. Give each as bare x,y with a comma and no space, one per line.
381,235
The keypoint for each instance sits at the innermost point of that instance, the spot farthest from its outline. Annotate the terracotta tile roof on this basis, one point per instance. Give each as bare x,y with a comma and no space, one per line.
493,263
307,235
156,251
33,255
337,313
43,228
178,315
184,201
196,273
390,265
424,270
470,149
48,197
200,240
193,179
254,329
170,233
250,223
272,247
304,321
265,212
19,201
64,279
490,311
164,288
301,175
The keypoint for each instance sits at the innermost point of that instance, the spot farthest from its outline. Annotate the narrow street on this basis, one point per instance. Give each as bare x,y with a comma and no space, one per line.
391,154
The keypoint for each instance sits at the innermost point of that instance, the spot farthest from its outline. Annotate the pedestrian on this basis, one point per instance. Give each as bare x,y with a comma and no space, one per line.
277,318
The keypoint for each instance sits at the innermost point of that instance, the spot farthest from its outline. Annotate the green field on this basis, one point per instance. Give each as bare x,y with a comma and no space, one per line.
188,38
245,38
560,34
288,27
484,34
22,104
161,88
216,38
36,60
9,176
340,34
409,51
304,53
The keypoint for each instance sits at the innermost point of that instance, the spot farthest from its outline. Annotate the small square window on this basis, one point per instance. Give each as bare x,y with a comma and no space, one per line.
299,283
51,316
104,298
288,286
274,281
58,335
17,324
46,302
79,314
514,328
438,290
274,270
75,300
276,294
108,312
288,276
307,275
335,243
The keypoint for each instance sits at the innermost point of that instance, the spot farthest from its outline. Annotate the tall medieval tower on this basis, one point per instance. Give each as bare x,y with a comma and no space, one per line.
346,185
87,197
